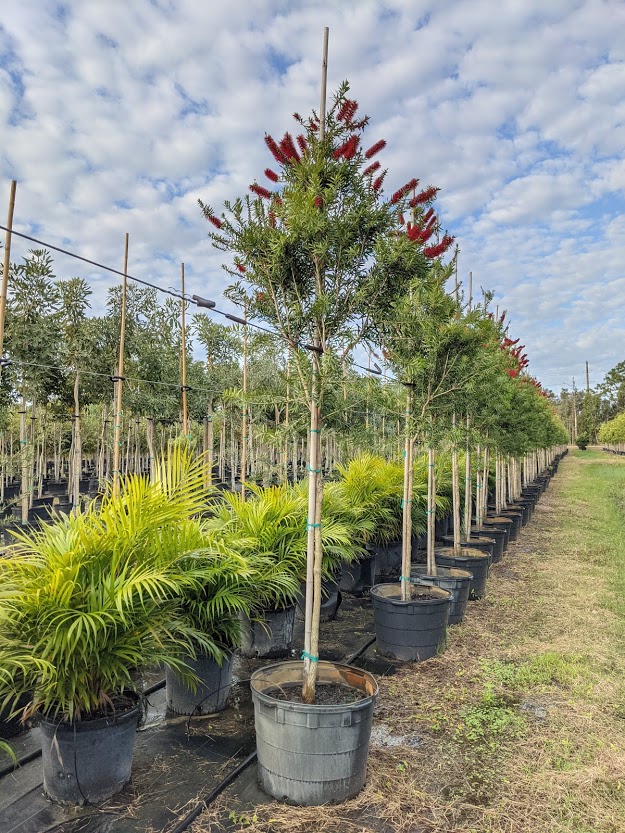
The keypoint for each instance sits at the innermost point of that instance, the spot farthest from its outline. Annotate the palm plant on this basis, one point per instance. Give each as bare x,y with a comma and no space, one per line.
91,598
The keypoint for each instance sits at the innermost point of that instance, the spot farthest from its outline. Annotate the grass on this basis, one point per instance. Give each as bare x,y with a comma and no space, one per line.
519,727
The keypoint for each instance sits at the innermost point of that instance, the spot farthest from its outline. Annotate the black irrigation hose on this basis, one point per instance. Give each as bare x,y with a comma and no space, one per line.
205,803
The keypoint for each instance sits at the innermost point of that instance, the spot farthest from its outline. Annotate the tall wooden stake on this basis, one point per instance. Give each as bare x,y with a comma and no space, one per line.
244,413
117,441
315,484
183,358
7,265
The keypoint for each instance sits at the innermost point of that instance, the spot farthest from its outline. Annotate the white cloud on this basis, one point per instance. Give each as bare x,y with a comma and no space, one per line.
115,117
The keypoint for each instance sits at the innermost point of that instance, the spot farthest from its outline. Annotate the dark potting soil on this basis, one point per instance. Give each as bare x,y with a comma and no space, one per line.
326,694
424,597
118,704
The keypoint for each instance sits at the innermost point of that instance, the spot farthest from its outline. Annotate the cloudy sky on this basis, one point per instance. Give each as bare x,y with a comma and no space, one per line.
116,115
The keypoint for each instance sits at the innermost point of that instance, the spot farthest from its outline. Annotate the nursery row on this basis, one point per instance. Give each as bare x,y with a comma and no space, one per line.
162,573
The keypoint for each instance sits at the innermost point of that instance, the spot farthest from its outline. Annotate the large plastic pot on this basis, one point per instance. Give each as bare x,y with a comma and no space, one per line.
500,522
388,561
88,761
410,630
476,542
516,516
359,576
12,726
312,754
458,582
270,638
499,537
211,694
476,562
330,600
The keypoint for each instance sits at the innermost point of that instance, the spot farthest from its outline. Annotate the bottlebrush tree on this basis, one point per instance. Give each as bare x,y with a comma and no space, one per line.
320,252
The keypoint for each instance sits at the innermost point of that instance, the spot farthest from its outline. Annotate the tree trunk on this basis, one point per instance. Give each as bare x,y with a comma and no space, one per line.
406,541
431,512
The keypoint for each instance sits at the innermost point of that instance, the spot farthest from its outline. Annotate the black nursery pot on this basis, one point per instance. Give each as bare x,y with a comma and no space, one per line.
270,638
388,561
498,535
474,561
330,599
501,523
458,582
410,630
359,576
516,516
480,542
88,761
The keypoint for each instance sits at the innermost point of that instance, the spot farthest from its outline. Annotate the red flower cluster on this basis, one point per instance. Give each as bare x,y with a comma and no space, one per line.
375,149
241,268
378,182
405,189
424,196
439,248
513,373
272,175
347,111
348,149
276,152
215,221
303,144
288,148
260,191
373,167
421,233
272,219
318,202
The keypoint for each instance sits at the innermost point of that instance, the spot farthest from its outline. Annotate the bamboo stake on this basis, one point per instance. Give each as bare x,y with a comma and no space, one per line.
244,428
6,266
119,378
431,512
77,444
183,359
468,496
455,479
315,488
406,549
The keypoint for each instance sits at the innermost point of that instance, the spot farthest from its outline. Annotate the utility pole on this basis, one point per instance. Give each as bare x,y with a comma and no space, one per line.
574,410
587,379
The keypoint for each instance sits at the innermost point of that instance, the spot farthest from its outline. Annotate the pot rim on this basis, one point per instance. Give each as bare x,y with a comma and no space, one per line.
375,591
59,724
296,667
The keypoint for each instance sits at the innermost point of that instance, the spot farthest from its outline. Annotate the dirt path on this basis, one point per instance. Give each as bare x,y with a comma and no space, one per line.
519,727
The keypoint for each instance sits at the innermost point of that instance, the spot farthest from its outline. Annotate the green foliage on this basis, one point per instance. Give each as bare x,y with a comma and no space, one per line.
91,598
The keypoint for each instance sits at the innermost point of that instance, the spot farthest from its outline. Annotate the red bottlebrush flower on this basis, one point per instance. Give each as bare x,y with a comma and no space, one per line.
371,169
288,148
241,268
277,154
257,189
272,175
502,319
303,144
297,117
378,182
277,200
340,150
428,215
401,220
347,110
272,219
405,189
318,202
437,250
513,373
215,221
352,147
375,149
424,196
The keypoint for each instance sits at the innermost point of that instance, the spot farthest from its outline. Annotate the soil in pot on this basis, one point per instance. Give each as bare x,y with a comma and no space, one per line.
457,581
88,761
270,638
476,562
211,694
330,694
312,754
414,629
499,537
476,542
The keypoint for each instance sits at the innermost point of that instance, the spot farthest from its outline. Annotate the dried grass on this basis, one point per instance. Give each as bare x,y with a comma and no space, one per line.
557,765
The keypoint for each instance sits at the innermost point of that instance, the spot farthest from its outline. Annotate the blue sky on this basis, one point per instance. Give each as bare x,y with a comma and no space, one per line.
116,116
